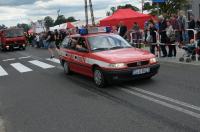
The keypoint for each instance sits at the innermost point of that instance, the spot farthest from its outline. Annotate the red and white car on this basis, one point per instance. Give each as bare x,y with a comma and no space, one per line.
106,58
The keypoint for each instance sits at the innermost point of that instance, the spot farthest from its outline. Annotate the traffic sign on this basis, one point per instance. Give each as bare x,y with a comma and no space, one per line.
158,1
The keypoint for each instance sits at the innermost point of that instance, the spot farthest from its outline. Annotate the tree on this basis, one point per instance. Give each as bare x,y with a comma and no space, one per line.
108,13
114,9
71,19
128,6
2,26
169,7
25,26
49,22
60,19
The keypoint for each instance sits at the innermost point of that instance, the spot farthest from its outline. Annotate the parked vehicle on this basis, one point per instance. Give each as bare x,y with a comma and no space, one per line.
12,38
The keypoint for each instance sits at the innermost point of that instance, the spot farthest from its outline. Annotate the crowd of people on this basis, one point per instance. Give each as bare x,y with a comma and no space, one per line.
172,30
47,40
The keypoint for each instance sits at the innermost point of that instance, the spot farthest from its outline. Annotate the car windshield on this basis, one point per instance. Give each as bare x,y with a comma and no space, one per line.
14,33
107,42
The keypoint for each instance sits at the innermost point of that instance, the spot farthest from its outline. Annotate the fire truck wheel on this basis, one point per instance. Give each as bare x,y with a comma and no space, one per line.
66,68
99,78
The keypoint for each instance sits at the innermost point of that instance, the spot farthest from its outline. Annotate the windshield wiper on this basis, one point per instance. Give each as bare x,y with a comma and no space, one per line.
117,47
100,49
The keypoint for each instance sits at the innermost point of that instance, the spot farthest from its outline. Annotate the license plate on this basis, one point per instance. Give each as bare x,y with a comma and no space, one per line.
141,71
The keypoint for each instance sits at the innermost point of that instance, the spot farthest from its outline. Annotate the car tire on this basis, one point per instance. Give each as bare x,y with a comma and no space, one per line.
66,68
188,60
181,59
99,78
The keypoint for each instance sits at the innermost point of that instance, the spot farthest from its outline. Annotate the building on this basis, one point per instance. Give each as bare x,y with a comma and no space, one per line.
195,8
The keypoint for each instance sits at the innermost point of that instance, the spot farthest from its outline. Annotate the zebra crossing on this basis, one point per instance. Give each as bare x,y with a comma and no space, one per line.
23,68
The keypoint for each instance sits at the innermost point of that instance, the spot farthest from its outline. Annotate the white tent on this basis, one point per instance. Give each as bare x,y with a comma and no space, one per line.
59,27
81,23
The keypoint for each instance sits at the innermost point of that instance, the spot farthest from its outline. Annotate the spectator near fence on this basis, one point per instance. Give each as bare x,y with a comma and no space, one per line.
171,39
183,26
162,32
198,23
152,31
122,29
191,25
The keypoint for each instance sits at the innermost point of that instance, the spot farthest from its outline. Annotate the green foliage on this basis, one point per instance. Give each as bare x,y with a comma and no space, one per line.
2,26
71,19
114,9
26,27
49,22
60,19
169,7
128,6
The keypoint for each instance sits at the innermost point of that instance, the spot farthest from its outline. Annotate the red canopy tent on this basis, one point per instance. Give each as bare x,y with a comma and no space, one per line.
69,25
128,16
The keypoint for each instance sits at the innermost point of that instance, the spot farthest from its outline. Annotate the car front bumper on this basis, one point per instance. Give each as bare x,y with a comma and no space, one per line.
127,75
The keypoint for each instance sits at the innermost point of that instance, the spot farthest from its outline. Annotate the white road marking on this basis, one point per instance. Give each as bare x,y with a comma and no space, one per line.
2,127
11,59
54,60
41,64
167,98
24,57
20,67
180,109
3,72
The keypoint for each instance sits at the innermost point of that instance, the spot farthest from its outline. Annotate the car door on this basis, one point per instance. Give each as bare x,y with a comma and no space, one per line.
78,58
65,50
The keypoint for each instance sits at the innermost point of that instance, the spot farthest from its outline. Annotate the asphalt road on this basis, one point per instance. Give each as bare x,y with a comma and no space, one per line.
43,99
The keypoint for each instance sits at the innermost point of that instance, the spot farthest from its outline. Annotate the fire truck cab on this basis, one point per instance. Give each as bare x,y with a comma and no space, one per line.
12,38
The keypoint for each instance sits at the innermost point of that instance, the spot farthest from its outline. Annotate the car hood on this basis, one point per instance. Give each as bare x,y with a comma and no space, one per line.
124,55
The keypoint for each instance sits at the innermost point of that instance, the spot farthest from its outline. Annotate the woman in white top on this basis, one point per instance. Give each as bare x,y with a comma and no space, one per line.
171,39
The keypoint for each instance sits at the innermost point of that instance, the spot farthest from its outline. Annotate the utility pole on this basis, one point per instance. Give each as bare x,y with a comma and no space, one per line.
86,13
91,11
142,6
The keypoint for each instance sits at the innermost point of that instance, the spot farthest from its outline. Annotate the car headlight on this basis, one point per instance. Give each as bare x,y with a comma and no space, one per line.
118,65
153,60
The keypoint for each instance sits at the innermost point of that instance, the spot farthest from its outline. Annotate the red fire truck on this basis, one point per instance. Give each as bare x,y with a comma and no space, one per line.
12,38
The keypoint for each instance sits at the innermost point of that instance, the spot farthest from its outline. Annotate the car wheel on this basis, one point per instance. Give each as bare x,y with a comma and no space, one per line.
23,48
181,59
99,78
188,60
66,68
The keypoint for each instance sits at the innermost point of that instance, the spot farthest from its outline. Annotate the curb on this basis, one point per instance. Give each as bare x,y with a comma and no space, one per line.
182,63
2,127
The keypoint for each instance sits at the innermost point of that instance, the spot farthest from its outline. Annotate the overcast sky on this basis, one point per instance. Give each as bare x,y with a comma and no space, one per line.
25,11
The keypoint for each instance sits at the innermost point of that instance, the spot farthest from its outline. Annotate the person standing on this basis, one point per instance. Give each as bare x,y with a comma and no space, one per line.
163,35
37,39
57,39
191,25
198,23
122,29
137,34
52,46
152,30
182,23
171,39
